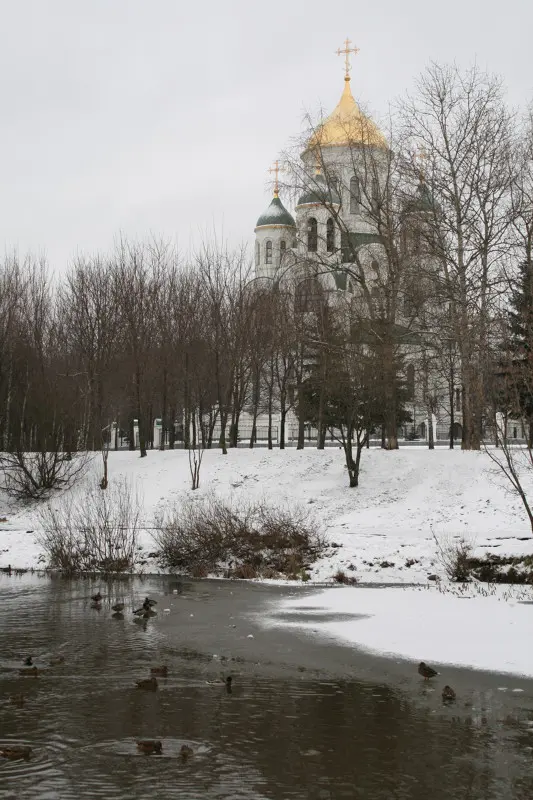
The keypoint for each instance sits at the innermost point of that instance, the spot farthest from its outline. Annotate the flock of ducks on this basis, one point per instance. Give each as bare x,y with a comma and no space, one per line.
154,746
448,694
146,746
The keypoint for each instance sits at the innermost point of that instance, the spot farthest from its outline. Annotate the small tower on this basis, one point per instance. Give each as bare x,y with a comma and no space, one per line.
318,233
275,234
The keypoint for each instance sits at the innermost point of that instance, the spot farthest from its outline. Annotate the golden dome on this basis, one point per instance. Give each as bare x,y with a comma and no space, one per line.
347,125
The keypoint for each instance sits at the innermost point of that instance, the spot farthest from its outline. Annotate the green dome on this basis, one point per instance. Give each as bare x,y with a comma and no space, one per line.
276,214
319,193
423,203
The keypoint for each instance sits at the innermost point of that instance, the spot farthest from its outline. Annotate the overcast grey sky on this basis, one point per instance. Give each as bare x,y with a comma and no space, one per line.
163,116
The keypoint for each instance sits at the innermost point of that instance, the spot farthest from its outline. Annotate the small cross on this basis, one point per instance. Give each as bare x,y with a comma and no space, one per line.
346,53
421,156
276,169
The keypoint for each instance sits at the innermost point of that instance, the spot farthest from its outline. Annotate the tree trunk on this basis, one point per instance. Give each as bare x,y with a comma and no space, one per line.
132,434
162,442
452,407
270,402
255,413
321,430
172,428
282,418
431,433
222,440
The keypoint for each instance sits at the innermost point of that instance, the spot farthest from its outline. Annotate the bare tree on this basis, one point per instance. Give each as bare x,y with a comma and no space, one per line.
461,122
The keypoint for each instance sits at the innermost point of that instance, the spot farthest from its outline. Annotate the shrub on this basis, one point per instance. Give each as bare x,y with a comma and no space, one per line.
341,577
454,557
35,475
92,531
209,535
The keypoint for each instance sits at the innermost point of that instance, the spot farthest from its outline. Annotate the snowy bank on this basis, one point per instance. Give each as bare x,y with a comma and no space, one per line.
468,626
382,531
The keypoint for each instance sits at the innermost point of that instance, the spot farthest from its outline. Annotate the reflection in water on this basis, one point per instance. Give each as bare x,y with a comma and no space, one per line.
268,738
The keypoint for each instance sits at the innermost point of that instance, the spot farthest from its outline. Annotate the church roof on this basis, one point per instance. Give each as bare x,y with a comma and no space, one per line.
319,193
276,214
347,125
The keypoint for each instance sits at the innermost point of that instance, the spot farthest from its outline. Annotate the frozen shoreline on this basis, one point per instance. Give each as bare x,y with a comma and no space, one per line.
471,626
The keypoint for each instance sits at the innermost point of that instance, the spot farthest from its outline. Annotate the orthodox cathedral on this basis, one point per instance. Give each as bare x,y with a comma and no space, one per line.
340,175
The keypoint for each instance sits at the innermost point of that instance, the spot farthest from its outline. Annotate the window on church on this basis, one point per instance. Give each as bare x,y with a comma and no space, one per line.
375,195
330,236
410,382
268,252
257,254
355,195
282,248
312,235
308,296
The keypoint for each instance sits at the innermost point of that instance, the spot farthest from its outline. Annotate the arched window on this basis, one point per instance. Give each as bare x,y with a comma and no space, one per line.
355,195
282,248
375,195
308,296
330,236
312,235
410,387
257,254
268,252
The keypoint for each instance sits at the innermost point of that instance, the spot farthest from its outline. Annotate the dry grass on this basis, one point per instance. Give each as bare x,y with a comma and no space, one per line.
209,536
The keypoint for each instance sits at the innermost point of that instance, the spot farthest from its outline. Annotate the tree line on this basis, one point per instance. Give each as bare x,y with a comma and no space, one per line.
144,333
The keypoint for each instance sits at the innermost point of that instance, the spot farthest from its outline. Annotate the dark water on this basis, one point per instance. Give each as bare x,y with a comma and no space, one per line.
282,737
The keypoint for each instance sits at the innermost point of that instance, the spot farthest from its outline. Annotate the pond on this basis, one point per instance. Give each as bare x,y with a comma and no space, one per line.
295,725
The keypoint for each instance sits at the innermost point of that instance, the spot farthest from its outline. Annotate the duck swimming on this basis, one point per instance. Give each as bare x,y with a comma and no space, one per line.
163,671
448,695
150,746
186,751
14,751
29,672
147,683
96,598
17,700
118,607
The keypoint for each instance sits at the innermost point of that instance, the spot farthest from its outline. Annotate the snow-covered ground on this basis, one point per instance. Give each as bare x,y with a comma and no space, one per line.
471,626
384,529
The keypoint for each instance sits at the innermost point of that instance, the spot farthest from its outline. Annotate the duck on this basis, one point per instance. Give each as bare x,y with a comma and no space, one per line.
426,672
186,751
96,598
14,751
448,695
148,602
144,609
150,746
118,607
29,672
147,683
163,670
228,682
17,700
28,662
55,661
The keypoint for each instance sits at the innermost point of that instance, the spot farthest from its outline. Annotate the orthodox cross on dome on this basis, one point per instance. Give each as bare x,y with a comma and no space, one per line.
421,157
276,169
346,53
